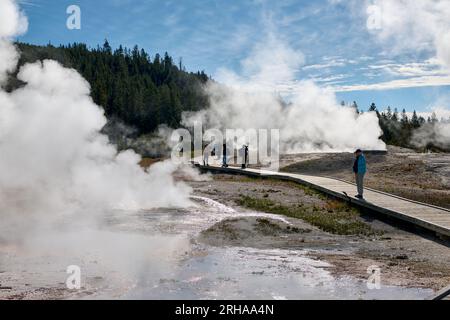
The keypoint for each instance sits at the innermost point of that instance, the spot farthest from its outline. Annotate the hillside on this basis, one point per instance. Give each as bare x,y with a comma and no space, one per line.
132,86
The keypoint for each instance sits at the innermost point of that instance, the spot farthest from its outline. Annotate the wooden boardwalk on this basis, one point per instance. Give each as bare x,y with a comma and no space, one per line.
429,217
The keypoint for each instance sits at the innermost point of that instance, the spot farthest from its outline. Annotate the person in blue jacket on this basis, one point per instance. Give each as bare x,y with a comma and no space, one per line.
359,168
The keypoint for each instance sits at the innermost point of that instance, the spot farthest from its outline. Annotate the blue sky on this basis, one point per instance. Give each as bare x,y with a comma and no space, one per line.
338,50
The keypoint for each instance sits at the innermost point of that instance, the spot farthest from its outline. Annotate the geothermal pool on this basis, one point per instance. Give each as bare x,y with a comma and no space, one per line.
155,255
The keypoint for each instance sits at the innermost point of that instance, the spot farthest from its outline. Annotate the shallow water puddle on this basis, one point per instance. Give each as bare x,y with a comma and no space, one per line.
246,273
152,255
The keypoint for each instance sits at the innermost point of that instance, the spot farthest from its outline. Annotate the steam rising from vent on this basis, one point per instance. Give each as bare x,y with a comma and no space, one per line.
311,121
54,161
12,23
433,134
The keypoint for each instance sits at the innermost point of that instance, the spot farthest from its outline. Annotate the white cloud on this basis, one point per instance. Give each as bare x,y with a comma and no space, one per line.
331,64
271,65
428,73
430,67
330,79
419,25
424,81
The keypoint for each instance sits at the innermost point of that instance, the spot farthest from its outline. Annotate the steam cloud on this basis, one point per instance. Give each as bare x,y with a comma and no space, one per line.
435,134
311,121
54,161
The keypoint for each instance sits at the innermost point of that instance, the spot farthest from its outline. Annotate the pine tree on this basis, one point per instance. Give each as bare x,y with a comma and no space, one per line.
106,47
404,119
395,115
355,107
415,120
389,113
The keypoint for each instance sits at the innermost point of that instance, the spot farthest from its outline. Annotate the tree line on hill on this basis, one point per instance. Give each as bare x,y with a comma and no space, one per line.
141,91
403,129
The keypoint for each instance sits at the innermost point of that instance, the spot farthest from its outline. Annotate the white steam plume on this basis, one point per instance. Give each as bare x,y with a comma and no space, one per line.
435,134
12,23
54,161
312,121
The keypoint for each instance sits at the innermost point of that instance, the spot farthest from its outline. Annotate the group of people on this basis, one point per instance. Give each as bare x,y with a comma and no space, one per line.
243,154
359,165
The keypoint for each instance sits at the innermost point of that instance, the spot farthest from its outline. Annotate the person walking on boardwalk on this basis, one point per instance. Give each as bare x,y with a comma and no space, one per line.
246,155
206,153
359,168
224,159
243,154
